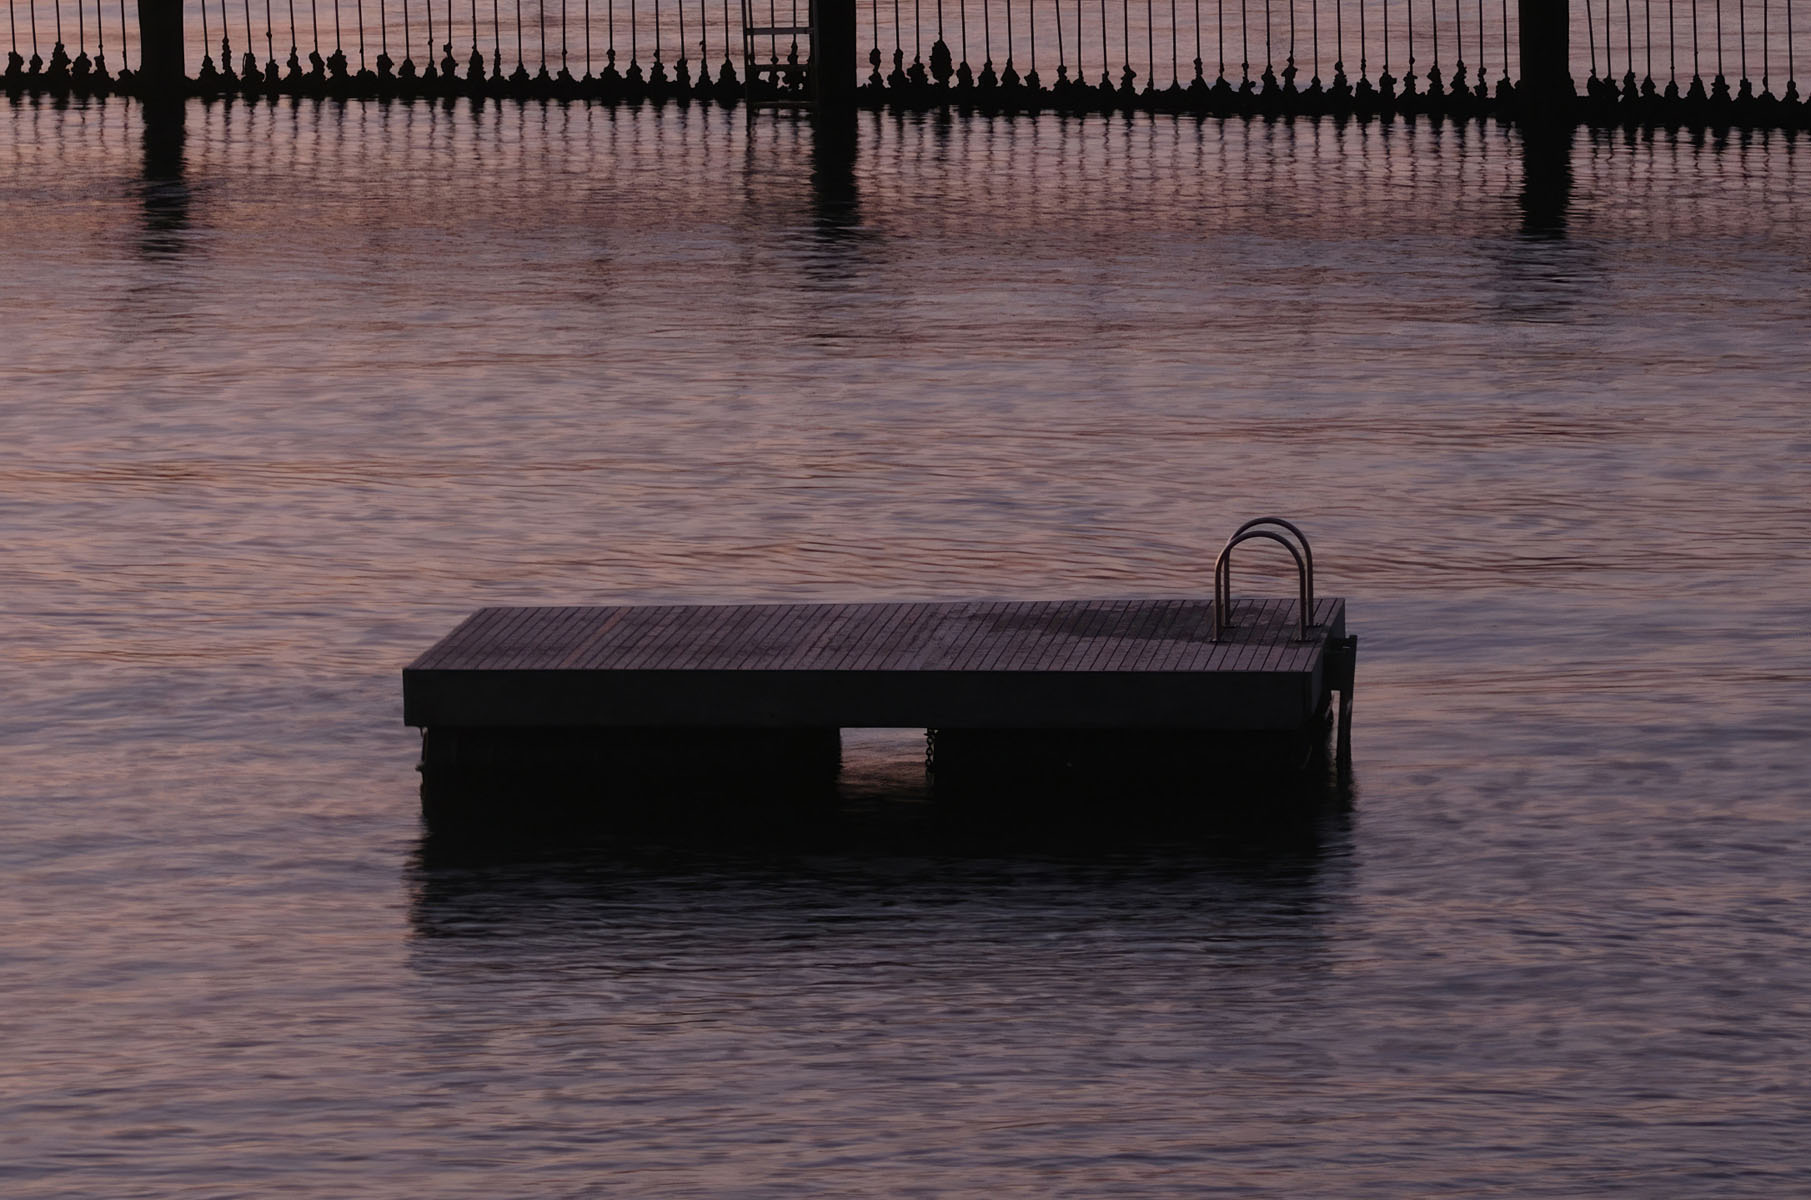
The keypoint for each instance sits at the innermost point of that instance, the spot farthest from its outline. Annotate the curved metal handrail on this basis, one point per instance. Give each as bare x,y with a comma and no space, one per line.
1223,579
1307,553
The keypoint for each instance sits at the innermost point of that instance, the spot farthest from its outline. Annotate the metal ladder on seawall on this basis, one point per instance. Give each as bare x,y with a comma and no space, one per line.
778,83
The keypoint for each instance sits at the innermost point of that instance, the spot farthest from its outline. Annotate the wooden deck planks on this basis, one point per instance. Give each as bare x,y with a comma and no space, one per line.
992,636
1076,636
624,630
1058,642
1150,638
505,639
623,646
603,623
892,624
921,627
754,643
1018,626
837,655
782,637
541,642
1098,661
1109,663
941,641
1122,652
969,630
822,627
1114,619
1169,646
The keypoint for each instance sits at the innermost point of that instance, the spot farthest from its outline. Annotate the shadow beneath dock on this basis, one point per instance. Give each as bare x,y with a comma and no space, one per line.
1269,862
939,792
1252,810
887,871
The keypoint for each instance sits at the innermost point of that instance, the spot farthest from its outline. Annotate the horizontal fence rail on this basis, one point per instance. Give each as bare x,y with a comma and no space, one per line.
1708,61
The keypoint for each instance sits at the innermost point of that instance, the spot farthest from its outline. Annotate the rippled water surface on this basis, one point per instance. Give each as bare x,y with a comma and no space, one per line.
288,394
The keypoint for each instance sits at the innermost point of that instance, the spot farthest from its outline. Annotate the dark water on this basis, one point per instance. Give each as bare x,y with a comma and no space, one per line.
286,397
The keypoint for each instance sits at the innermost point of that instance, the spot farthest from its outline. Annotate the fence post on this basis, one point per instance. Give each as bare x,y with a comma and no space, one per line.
161,70
1547,92
833,58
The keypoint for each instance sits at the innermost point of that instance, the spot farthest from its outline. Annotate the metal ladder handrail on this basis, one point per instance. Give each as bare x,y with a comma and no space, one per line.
1307,553
1223,577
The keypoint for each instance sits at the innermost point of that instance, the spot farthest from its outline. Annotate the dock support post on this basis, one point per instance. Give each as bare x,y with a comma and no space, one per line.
1546,91
161,70
833,66
1342,676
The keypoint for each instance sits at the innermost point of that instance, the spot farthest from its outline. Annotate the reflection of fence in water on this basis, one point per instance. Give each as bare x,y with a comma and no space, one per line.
1213,55
1003,188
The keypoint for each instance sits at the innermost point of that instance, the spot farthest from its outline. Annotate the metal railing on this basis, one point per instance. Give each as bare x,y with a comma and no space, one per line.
1261,529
